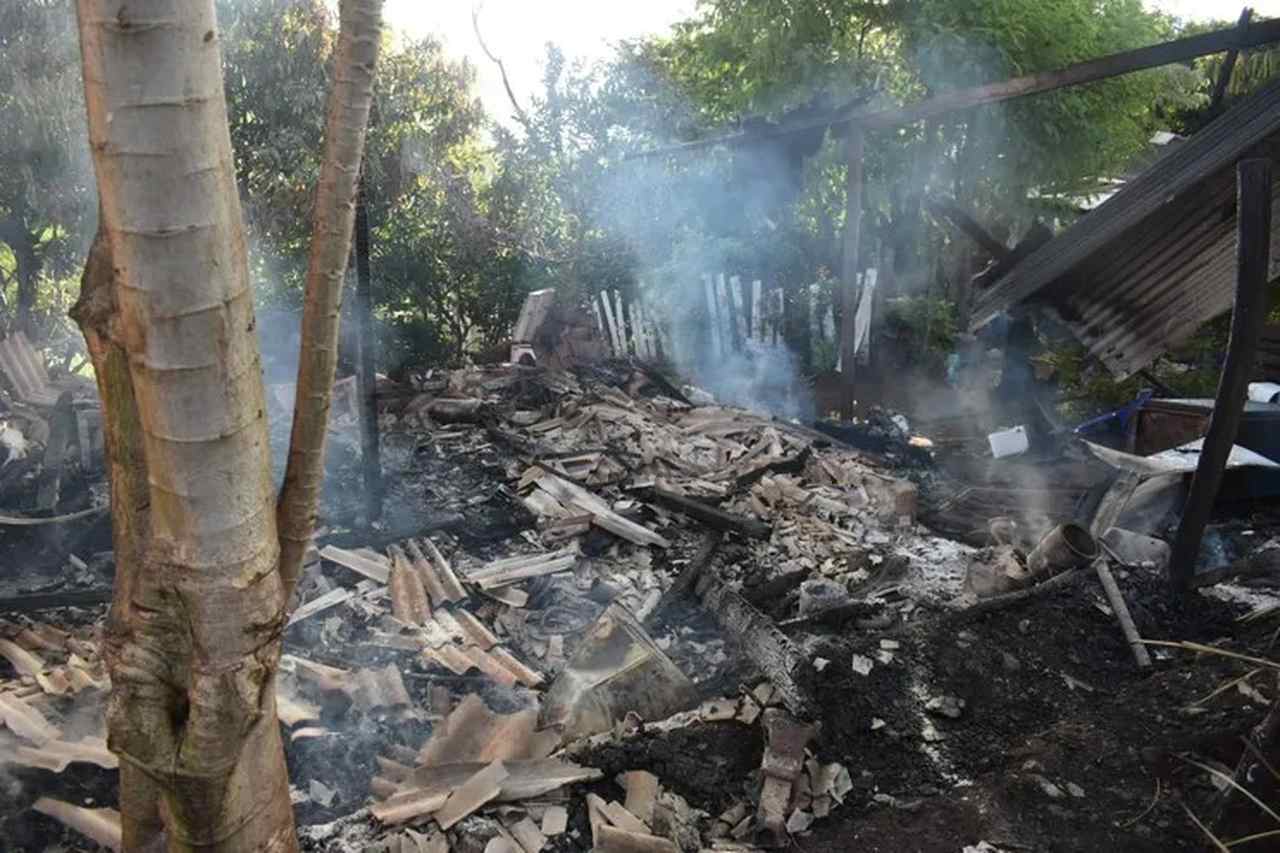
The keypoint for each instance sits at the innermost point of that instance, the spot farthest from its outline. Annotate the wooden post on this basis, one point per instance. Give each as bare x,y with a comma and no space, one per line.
1249,314
757,319
743,330
728,318
713,315
615,343
595,307
621,319
854,144
366,377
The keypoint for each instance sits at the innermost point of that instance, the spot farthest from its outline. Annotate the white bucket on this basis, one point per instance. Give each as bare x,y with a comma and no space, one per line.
1009,442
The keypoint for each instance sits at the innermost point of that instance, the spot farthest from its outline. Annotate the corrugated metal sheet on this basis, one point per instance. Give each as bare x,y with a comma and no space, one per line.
1149,266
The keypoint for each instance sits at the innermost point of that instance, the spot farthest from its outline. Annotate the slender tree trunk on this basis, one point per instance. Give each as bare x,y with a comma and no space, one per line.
27,273
350,99
194,636
367,378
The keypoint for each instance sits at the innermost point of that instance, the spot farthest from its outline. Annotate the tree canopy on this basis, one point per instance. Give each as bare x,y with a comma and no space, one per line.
468,214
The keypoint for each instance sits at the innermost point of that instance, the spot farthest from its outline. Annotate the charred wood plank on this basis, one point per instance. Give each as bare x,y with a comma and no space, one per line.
51,600
711,516
792,465
683,584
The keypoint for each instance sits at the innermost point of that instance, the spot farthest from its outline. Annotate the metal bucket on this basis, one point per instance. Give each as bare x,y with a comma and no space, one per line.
1065,547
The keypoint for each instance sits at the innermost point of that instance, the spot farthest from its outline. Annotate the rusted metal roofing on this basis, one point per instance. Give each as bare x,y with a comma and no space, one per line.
1150,265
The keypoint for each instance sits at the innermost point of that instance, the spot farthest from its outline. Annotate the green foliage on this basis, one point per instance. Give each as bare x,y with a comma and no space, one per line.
47,197
922,324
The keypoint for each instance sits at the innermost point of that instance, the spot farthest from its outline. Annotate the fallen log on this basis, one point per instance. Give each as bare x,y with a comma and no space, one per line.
759,638
711,516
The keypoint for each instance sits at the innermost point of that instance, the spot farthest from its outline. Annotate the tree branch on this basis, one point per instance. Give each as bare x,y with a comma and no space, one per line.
521,115
350,100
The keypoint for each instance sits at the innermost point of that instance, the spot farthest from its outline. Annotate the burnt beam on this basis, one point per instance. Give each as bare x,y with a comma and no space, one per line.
970,227
711,516
1249,314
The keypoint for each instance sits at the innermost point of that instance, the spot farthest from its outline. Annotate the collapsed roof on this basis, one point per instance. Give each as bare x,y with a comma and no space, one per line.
1149,266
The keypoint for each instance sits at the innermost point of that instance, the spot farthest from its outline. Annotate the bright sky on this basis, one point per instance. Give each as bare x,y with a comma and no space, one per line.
518,30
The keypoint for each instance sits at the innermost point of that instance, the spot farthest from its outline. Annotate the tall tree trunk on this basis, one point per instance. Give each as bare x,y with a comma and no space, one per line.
194,636
350,99
193,639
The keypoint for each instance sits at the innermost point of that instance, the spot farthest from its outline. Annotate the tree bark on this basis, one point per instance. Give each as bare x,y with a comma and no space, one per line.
126,460
350,99
194,637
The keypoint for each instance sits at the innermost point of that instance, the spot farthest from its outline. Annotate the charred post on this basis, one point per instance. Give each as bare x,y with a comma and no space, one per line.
1253,253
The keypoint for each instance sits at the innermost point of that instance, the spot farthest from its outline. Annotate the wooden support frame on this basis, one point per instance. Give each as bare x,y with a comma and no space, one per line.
1249,314
1255,34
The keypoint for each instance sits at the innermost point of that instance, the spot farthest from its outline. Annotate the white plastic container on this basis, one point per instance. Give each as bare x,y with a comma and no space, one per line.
1264,392
1009,442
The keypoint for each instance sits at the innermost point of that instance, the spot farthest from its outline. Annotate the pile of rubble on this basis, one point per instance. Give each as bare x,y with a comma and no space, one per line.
680,627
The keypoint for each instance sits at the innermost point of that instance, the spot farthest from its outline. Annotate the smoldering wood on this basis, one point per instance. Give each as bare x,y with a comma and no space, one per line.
758,638
1260,563
1001,602
1248,316
683,585
712,516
